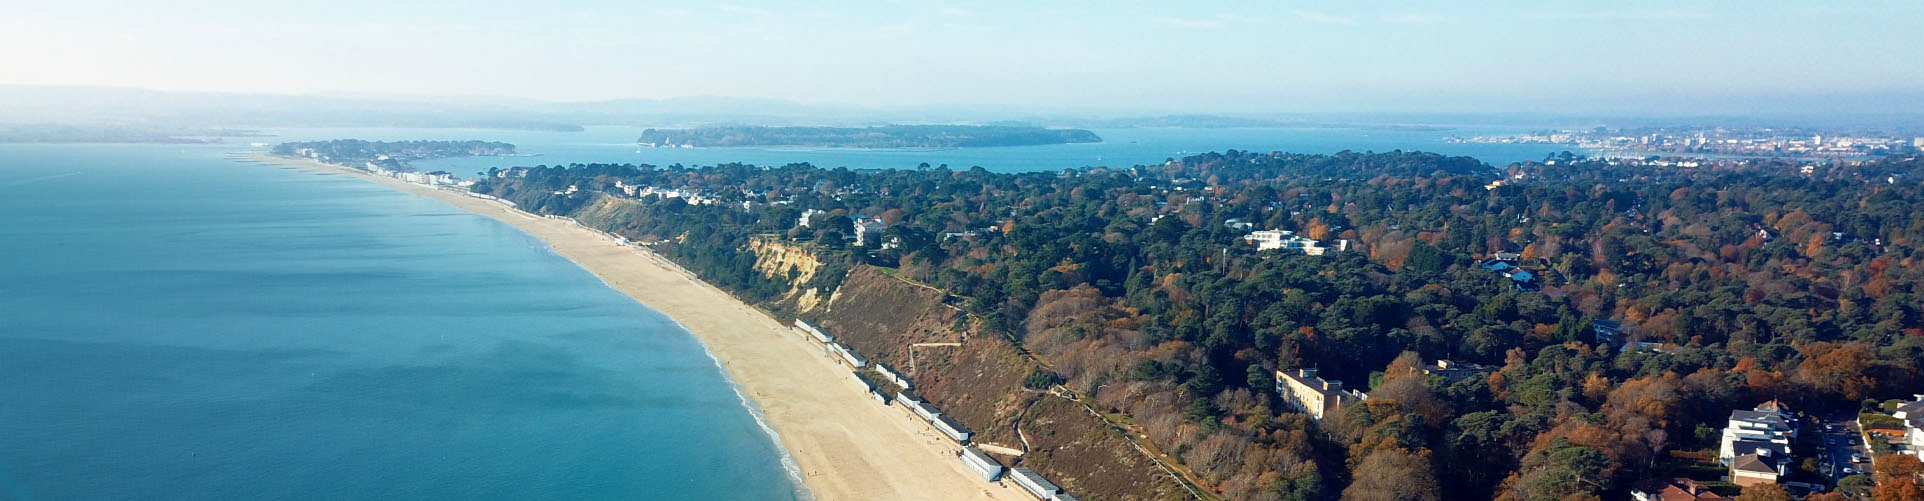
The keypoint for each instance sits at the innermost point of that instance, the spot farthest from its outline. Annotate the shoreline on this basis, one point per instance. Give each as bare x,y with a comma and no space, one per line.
841,443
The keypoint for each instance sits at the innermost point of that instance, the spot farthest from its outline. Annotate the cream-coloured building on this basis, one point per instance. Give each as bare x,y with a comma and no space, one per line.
1313,395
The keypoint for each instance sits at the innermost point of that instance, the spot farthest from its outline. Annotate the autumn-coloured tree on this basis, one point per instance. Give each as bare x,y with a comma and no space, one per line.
1898,490
1316,229
1178,325
1408,364
1841,369
1898,478
1394,474
1764,492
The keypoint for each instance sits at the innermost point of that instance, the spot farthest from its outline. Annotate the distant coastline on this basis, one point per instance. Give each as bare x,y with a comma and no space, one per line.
389,155
884,137
47,133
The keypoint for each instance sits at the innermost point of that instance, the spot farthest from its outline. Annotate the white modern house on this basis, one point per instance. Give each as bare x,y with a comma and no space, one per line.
1912,413
1290,241
868,231
1756,444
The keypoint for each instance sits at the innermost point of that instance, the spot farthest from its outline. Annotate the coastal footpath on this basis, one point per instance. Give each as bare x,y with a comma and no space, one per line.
846,446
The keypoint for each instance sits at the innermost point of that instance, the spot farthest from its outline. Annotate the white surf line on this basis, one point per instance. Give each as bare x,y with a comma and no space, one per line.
31,180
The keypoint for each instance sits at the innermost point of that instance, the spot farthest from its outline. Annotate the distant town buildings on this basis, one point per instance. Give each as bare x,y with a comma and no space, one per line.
1714,141
435,179
1305,392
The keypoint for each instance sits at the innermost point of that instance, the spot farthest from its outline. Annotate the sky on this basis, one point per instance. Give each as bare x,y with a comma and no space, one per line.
1197,55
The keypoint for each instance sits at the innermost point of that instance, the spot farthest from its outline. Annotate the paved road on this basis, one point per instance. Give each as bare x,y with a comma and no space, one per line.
1842,440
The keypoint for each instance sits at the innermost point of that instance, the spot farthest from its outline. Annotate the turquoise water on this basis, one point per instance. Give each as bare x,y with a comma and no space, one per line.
1120,148
174,324
177,325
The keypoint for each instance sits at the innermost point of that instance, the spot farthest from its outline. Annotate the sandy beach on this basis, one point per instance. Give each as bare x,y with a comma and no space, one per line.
846,445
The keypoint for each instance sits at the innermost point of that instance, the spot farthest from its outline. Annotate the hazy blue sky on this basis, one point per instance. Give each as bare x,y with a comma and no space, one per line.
1203,55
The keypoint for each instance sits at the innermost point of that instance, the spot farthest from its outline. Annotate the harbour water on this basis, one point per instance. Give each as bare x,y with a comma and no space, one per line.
1119,148
174,324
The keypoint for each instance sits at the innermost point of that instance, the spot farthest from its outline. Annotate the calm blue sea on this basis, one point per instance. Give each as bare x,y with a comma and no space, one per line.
176,325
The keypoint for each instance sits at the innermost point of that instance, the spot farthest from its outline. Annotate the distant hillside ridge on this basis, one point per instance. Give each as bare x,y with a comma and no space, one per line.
889,136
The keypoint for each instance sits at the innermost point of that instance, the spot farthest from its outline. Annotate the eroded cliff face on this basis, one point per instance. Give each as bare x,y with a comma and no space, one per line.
978,379
792,263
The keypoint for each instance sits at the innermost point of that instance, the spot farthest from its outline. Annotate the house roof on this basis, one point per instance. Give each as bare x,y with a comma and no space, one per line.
1911,408
1765,417
1682,489
1316,383
1753,463
1752,446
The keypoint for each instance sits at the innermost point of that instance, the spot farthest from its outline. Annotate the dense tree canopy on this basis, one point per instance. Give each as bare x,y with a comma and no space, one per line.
1731,286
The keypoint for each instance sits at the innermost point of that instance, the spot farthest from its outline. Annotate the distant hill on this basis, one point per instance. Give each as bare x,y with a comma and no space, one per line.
891,136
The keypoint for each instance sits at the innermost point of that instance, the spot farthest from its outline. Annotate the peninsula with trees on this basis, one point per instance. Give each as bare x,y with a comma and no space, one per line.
388,155
882,137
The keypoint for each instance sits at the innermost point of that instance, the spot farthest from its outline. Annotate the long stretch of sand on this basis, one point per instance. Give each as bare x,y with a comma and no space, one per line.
847,445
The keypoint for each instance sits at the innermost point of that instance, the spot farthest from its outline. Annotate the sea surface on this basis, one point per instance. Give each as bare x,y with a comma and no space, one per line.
1119,148
178,325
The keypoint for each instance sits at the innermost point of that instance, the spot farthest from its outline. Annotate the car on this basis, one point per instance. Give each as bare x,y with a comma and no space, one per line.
1848,471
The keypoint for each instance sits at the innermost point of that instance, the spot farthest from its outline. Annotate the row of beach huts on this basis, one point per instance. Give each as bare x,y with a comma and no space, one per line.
972,457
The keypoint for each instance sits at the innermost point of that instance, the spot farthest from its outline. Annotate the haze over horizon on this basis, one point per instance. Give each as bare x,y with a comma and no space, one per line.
1208,57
